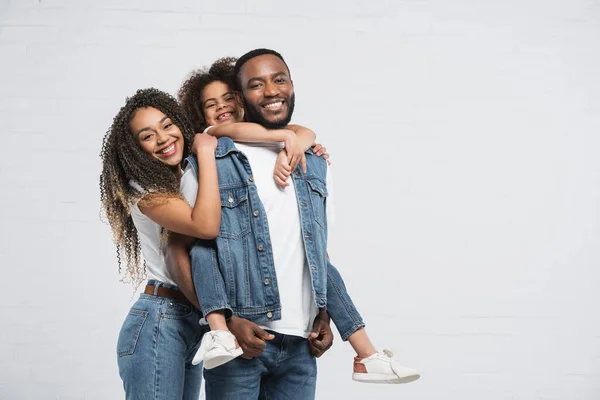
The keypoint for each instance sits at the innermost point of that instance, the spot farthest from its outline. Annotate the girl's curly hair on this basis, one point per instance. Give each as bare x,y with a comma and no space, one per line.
190,94
129,174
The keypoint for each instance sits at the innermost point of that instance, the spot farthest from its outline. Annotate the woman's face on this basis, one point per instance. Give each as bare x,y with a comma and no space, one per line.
157,135
220,104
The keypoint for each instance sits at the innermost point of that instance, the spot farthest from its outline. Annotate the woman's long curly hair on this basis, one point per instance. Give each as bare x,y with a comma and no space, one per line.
130,175
190,94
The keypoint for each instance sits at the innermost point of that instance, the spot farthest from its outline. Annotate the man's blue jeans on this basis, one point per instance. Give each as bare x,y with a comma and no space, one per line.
285,370
155,348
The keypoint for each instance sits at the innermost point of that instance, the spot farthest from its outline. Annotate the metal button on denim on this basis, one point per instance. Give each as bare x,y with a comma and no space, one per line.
260,247
255,213
267,281
269,314
251,179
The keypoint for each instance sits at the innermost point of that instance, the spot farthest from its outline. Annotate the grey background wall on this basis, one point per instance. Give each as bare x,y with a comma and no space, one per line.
464,137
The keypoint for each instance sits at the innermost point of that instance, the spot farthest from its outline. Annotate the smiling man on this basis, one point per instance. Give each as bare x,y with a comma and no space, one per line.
270,264
268,91
272,260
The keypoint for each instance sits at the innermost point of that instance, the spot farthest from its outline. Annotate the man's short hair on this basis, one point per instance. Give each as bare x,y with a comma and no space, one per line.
250,55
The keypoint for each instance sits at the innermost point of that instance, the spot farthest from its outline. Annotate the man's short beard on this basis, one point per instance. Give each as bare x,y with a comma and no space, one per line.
254,115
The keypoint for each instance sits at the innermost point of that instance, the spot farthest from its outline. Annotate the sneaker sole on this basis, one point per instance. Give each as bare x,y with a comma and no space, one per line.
382,378
214,361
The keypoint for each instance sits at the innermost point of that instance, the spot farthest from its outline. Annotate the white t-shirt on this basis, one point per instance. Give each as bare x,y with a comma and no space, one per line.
149,235
298,309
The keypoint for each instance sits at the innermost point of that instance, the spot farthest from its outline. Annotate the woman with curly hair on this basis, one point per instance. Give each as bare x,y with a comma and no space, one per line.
142,152
140,196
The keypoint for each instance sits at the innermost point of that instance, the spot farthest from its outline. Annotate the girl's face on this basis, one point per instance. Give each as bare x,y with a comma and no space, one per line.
220,104
157,135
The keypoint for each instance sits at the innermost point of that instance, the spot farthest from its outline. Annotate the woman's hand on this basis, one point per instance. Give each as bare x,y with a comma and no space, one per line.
204,143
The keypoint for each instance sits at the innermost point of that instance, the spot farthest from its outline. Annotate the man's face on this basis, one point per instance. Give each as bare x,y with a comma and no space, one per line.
268,91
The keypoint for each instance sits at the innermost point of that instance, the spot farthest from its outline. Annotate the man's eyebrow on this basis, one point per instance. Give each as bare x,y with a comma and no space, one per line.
256,78
272,76
148,128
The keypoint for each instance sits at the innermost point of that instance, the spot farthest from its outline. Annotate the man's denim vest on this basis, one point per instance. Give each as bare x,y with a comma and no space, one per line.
244,278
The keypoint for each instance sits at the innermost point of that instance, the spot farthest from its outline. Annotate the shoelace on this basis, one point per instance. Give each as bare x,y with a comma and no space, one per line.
386,355
217,340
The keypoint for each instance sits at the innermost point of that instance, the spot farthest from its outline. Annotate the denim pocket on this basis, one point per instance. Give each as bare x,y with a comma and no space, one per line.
174,310
318,195
130,332
235,212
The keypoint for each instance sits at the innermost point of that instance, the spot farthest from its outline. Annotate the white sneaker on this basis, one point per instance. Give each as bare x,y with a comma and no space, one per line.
216,348
382,368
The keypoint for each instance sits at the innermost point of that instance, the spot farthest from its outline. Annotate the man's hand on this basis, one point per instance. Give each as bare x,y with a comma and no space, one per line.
249,336
321,338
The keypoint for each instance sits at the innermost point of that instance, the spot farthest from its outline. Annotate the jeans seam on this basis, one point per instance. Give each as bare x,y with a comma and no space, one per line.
156,358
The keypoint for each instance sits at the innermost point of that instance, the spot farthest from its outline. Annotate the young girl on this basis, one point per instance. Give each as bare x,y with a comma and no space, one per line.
211,102
139,191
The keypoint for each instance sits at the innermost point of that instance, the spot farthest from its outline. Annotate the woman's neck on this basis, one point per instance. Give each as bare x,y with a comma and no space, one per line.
177,171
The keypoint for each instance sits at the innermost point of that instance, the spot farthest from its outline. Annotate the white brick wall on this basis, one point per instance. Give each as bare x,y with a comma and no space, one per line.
464,137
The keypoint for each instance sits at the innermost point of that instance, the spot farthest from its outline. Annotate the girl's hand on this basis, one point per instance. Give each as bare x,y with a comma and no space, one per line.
295,151
282,170
320,150
204,143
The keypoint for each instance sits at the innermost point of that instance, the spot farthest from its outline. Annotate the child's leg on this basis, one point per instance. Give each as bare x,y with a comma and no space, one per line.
217,321
361,343
344,314
342,311
369,365
219,345
208,279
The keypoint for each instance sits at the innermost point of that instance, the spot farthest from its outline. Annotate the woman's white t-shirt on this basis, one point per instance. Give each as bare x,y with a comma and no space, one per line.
149,233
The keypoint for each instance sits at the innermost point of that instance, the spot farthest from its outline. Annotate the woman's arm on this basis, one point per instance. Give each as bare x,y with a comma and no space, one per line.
204,219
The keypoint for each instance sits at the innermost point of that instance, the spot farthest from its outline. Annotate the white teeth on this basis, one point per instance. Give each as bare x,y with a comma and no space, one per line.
274,105
220,117
168,149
